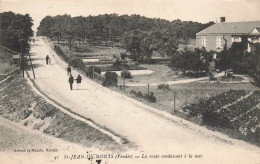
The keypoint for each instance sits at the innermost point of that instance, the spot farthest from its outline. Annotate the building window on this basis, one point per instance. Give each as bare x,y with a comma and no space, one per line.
236,39
255,40
218,42
204,41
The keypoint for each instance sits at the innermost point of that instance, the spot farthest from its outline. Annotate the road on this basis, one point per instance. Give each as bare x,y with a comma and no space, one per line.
153,131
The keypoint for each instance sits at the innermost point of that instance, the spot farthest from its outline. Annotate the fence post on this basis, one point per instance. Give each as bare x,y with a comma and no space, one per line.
31,65
148,92
174,97
93,72
124,83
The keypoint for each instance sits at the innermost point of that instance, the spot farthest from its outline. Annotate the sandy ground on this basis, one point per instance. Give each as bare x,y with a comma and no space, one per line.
19,144
155,132
133,72
176,82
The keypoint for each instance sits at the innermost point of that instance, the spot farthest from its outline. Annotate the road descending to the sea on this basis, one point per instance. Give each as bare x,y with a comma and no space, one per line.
153,132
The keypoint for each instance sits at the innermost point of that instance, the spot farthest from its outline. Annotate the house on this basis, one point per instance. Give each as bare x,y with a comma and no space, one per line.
224,33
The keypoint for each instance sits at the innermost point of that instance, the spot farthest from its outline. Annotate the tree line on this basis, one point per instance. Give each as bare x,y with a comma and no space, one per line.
15,31
110,26
139,35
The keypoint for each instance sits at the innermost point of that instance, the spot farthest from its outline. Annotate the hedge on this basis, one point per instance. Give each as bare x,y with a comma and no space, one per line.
126,74
110,79
59,51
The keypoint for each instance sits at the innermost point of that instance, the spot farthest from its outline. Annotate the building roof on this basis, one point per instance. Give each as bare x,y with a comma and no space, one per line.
231,28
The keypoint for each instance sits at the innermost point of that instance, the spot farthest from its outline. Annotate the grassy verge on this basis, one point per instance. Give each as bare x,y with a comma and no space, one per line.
162,74
20,104
187,94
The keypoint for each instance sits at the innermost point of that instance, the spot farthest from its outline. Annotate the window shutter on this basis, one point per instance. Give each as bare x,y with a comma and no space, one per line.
216,41
220,44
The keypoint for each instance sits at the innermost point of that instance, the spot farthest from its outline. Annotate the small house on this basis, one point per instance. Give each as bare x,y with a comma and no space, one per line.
224,33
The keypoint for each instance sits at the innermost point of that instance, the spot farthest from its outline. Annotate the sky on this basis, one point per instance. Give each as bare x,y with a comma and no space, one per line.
186,10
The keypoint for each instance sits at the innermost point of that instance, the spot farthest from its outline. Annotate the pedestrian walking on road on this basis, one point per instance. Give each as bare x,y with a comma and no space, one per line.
47,59
71,81
78,80
69,70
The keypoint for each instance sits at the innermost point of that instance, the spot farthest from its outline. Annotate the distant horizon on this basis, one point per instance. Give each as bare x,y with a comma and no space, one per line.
202,11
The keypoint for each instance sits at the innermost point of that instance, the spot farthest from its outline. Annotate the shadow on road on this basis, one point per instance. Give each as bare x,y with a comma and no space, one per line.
34,45
35,59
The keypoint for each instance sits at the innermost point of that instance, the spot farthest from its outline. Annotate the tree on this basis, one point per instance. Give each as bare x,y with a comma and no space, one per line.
223,60
139,44
254,63
181,60
205,58
239,57
164,41
15,27
193,60
46,27
102,27
132,44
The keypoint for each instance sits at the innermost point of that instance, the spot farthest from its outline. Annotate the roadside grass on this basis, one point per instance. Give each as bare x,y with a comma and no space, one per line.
19,103
162,74
187,94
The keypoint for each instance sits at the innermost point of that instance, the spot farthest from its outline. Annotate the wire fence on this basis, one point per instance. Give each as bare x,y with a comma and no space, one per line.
98,77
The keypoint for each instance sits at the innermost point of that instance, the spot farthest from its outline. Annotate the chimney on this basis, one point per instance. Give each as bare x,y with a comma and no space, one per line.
222,19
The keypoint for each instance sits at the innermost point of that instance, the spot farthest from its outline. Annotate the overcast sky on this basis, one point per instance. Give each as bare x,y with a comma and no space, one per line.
195,10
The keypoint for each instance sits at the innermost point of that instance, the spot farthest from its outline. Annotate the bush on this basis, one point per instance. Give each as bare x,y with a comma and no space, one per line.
110,79
123,55
211,77
139,94
89,71
132,92
119,64
126,74
77,63
150,97
163,86
229,74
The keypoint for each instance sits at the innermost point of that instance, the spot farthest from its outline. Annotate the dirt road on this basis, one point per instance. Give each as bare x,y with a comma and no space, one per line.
154,132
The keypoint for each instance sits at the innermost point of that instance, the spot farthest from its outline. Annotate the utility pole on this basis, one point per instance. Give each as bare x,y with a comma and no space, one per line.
124,83
124,77
93,71
148,92
174,97
31,65
22,61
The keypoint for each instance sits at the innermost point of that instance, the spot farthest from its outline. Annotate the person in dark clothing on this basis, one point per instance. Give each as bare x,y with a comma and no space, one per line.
47,59
69,70
78,80
71,81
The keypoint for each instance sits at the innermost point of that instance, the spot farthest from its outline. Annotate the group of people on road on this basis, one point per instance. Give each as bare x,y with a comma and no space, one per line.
71,79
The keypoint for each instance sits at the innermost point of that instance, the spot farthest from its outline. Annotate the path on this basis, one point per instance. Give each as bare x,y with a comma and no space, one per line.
155,132
174,82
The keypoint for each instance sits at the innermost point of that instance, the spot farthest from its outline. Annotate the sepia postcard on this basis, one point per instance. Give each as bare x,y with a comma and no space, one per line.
129,81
